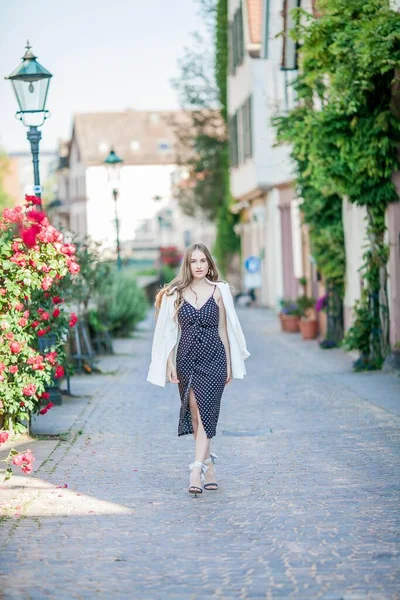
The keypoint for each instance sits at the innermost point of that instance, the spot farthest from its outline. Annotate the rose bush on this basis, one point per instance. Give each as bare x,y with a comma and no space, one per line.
34,261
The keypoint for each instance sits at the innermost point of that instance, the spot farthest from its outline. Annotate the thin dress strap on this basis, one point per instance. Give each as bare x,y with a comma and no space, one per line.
214,291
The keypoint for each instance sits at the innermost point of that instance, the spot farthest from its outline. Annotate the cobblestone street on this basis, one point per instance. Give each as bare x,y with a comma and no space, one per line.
308,504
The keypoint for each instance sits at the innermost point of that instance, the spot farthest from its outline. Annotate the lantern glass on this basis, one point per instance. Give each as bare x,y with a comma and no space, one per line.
114,172
31,97
113,166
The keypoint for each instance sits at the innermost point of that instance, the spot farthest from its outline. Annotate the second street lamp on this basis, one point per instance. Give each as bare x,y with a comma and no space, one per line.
113,165
31,84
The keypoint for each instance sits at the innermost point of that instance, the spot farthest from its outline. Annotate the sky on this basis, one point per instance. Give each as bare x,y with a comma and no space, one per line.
103,54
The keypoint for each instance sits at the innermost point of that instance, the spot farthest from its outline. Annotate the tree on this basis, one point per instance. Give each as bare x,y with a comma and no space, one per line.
203,141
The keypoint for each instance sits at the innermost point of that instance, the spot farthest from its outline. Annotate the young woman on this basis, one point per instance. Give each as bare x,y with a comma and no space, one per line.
198,345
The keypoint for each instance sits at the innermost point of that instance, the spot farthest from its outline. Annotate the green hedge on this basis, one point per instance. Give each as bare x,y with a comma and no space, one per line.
122,304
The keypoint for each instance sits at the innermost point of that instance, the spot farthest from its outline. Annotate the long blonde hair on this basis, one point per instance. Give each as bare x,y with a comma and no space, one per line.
185,277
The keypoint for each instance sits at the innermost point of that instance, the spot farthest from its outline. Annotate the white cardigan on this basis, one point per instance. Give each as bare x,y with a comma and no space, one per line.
167,333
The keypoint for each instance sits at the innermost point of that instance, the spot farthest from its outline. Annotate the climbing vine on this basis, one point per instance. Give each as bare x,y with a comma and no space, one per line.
227,242
345,135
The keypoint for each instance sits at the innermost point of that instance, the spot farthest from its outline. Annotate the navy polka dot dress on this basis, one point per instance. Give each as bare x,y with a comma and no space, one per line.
201,364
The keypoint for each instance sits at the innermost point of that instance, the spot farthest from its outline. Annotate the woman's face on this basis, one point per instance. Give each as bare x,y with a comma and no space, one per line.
198,264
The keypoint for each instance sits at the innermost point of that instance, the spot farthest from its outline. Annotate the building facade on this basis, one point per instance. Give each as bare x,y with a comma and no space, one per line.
262,67
145,142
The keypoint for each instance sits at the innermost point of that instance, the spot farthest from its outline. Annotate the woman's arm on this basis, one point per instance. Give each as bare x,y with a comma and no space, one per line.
171,369
223,334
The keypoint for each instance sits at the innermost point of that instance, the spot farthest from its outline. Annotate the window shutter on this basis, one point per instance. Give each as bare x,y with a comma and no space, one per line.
250,124
290,50
230,49
241,34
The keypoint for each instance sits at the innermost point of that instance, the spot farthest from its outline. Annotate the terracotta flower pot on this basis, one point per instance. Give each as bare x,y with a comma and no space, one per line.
309,329
290,323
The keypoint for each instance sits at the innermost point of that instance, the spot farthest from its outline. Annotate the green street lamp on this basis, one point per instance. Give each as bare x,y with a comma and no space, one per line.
31,83
113,165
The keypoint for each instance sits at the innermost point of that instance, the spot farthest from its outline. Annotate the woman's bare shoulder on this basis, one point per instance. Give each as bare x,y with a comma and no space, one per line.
217,293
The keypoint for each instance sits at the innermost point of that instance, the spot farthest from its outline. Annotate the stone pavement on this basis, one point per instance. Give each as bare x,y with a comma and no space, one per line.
308,505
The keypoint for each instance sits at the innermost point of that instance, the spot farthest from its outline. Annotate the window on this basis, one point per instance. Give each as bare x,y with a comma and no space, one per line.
290,49
233,141
240,134
134,145
104,147
236,40
247,133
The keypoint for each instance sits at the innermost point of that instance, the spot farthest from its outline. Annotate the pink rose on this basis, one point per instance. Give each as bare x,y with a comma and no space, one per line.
11,215
33,200
59,372
68,249
29,236
73,320
18,460
22,322
15,347
4,435
46,283
51,357
2,367
13,369
74,268
24,460
29,390
36,215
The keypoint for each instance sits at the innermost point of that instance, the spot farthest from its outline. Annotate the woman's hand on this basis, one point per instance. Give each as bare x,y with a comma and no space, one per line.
171,373
229,374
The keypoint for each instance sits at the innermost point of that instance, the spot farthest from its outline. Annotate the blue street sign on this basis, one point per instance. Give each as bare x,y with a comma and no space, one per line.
252,264
37,189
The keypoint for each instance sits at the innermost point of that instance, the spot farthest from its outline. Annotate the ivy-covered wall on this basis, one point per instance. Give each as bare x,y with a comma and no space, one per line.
227,242
344,136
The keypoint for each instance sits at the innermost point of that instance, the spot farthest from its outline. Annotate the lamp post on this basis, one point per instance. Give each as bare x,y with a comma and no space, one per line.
113,165
31,83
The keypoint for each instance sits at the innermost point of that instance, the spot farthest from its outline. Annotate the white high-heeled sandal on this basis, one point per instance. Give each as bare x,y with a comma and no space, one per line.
193,489
212,459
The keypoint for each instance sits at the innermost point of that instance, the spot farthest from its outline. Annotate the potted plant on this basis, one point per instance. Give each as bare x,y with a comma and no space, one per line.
289,316
308,322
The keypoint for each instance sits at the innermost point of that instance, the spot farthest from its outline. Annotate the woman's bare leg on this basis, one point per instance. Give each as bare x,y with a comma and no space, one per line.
202,442
193,412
